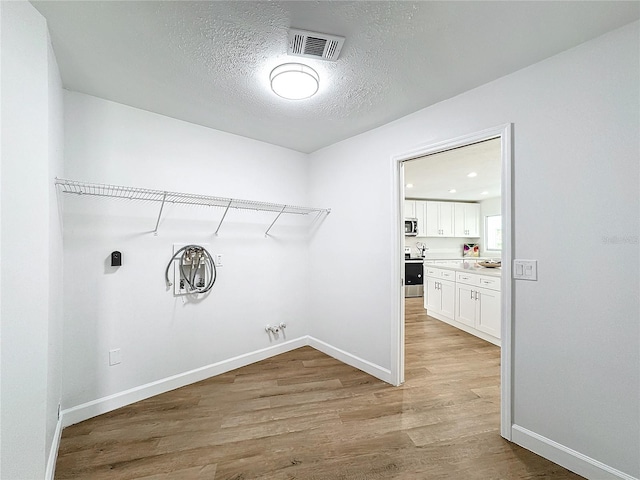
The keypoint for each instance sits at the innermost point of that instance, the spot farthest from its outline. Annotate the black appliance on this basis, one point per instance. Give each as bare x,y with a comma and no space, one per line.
413,277
411,227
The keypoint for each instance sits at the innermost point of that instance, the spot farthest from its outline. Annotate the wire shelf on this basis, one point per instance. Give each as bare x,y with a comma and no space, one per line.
162,197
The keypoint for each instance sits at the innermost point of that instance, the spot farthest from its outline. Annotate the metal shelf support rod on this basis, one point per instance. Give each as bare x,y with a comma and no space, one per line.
266,234
223,215
164,197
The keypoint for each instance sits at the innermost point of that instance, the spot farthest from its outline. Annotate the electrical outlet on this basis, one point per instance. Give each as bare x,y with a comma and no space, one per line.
115,357
218,259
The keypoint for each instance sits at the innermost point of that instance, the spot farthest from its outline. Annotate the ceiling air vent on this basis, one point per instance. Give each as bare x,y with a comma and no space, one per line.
314,45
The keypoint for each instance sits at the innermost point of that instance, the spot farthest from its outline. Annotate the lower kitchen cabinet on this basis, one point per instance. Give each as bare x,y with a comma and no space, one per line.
488,319
439,297
468,301
466,307
478,308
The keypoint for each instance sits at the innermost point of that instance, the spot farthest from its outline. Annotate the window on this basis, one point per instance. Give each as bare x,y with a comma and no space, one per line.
493,232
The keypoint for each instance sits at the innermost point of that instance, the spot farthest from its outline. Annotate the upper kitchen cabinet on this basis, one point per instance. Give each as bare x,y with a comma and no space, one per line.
421,215
440,219
409,209
466,219
417,209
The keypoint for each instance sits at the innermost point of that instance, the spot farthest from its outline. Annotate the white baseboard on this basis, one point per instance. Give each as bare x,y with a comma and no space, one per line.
565,456
102,405
53,451
356,362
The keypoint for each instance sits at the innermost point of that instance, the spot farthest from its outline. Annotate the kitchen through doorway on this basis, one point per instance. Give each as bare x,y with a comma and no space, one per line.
454,248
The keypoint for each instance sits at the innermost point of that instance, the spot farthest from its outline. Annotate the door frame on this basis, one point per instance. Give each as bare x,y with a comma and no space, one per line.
505,133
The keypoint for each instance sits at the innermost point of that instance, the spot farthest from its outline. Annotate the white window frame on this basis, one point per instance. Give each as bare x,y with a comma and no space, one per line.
486,233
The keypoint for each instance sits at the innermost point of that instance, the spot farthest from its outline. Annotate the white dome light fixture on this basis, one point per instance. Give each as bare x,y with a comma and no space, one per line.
294,81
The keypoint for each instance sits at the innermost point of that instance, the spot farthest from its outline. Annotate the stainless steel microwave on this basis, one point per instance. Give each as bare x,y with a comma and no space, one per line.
411,227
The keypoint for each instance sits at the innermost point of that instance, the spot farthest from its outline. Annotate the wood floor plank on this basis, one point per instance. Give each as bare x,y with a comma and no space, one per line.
303,415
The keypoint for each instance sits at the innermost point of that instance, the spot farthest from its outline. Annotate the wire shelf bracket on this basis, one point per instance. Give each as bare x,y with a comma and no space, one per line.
163,197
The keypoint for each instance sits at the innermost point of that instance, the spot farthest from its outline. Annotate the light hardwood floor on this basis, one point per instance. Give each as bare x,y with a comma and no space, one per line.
303,415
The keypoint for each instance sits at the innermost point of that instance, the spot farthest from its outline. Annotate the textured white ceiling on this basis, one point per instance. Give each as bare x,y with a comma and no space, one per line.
209,62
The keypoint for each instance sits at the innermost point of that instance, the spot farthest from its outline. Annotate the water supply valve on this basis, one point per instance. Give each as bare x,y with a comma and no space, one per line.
272,329
275,329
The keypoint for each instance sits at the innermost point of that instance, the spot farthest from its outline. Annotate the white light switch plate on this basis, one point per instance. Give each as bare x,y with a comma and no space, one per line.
525,269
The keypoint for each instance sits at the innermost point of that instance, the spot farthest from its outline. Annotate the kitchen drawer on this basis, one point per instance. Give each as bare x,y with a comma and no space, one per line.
432,272
448,274
468,278
492,283
439,273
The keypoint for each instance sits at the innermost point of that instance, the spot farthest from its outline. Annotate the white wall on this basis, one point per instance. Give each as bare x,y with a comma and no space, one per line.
575,115
31,242
263,280
55,333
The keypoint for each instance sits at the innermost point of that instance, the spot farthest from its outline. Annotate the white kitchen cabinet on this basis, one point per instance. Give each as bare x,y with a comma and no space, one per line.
421,215
465,310
409,209
478,307
439,292
439,219
439,297
466,219
488,317
417,209
465,299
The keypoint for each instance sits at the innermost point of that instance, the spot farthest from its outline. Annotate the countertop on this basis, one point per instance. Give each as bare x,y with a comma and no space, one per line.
414,260
469,267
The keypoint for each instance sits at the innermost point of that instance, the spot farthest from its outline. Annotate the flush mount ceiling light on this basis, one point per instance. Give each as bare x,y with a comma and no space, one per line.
294,81
409,185
472,174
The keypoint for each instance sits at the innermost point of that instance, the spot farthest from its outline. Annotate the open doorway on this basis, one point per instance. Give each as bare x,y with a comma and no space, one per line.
490,232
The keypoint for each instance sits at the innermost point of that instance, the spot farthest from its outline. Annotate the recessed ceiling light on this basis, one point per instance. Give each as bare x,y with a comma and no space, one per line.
472,174
294,81
484,193
409,185
453,190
